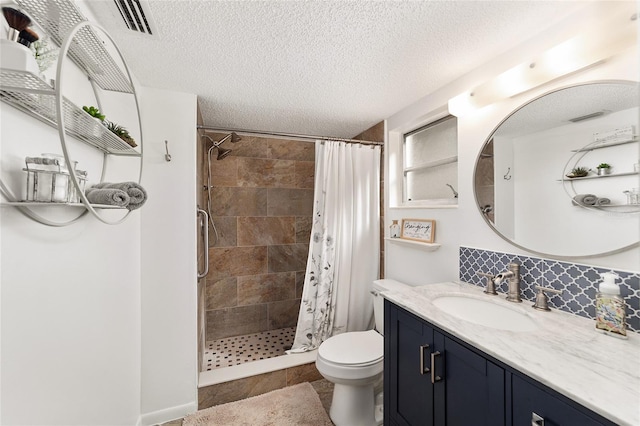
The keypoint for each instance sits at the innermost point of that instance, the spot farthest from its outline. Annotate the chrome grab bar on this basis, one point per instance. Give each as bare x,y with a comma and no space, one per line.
204,228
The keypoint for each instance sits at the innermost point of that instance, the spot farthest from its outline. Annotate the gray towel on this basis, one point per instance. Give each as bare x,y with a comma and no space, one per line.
585,200
108,196
137,194
603,201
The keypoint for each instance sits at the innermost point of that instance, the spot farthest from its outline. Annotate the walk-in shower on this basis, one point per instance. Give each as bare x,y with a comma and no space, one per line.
259,201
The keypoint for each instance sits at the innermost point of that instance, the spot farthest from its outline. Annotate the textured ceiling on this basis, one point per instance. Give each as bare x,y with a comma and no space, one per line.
557,108
331,68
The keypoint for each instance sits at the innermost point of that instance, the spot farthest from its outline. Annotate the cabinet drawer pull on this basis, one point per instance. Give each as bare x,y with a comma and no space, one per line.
434,377
423,369
536,420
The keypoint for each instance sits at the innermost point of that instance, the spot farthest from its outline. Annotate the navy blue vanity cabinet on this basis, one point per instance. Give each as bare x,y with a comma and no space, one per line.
432,380
533,405
408,391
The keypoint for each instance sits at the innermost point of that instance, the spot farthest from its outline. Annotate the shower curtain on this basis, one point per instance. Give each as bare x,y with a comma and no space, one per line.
344,249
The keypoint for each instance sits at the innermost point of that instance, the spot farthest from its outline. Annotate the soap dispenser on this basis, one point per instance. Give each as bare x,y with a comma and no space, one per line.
610,307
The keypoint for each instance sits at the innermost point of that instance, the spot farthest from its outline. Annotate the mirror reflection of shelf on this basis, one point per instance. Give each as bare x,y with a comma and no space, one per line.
605,145
29,93
598,176
618,208
414,244
43,204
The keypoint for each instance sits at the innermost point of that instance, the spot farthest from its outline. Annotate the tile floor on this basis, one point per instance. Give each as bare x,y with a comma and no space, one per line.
237,350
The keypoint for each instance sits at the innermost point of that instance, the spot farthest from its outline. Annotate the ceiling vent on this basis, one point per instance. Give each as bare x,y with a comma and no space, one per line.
134,16
588,116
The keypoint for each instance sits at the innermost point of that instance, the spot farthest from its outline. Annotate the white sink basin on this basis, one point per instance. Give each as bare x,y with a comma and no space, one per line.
486,313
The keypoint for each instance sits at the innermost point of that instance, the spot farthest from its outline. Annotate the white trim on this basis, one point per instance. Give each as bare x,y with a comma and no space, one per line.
414,244
227,374
167,415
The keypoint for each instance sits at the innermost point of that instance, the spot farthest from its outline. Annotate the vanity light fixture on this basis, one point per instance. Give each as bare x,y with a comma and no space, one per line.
614,34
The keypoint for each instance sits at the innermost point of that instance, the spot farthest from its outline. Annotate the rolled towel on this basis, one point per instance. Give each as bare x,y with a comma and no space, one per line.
603,201
585,200
136,193
108,196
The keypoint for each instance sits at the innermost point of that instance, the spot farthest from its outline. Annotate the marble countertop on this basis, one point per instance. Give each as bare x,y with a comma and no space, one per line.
565,352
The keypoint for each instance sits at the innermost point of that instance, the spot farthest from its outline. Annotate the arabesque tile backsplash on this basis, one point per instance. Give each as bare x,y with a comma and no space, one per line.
578,283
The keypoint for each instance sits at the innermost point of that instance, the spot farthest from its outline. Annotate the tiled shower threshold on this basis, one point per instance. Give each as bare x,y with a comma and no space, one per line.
254,368
245,356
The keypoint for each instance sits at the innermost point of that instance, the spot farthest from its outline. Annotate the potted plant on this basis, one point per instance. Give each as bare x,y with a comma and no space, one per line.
578,172
122,133
603,169
94,112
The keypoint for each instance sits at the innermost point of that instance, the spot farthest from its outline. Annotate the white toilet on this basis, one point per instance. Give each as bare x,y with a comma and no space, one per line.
353,362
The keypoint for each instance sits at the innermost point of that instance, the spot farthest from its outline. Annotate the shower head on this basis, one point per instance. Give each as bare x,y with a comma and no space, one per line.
235,138
222,152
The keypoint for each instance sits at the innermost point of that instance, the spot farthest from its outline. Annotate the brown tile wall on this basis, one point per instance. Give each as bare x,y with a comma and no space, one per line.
262,201
484,180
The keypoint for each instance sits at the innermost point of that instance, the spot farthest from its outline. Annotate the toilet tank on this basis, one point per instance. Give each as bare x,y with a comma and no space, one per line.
378,301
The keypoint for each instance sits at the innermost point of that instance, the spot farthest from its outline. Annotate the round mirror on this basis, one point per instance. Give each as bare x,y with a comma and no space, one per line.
537,180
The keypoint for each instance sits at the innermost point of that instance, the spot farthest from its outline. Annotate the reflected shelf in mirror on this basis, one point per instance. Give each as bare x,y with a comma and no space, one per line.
598,176
541,138
605,145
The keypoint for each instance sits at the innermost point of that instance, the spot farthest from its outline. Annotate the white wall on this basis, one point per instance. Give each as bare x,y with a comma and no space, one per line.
168,254
538,189
98,322
464,225
70,306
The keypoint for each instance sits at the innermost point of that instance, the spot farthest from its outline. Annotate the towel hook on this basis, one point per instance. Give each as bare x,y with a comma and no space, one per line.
166,147
507,176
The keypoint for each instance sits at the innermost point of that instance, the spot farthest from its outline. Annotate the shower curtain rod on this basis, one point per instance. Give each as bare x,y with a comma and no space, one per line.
287,135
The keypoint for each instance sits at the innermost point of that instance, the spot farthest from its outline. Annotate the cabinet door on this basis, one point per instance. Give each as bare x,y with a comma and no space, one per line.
472,391
408,390
529,399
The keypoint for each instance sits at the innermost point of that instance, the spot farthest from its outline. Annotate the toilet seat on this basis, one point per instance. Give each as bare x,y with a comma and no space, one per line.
353,349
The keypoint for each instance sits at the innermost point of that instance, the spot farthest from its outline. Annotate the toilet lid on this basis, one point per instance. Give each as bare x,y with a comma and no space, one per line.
357,347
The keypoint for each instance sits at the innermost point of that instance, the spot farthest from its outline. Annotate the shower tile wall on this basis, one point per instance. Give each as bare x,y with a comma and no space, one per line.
262,201
485,180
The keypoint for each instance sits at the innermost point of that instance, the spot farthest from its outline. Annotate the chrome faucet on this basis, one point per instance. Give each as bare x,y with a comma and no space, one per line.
513,275
490,287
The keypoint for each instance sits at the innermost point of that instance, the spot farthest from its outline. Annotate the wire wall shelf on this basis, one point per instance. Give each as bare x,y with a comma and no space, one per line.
29,93
53,204
57,18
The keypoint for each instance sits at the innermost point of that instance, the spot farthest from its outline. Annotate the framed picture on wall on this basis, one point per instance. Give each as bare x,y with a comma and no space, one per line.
423,230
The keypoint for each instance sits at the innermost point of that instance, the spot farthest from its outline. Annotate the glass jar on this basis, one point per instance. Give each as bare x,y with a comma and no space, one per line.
48,180
74,194
633,196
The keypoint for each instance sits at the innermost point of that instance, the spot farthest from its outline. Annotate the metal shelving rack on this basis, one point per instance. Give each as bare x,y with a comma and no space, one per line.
32,95
28,92
57,18
573,161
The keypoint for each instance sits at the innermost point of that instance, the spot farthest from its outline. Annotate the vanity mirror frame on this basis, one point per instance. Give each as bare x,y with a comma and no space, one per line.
489,138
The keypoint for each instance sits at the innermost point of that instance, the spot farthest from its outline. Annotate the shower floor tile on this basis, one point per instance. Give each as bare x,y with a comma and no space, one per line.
238,350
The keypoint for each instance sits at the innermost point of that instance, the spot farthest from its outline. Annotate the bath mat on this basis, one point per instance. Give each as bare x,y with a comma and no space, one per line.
291,406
